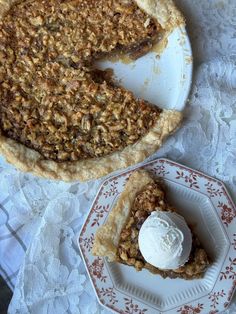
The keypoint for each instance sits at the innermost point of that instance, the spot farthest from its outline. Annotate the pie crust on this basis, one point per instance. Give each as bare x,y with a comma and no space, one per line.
108,236
29,160
117,239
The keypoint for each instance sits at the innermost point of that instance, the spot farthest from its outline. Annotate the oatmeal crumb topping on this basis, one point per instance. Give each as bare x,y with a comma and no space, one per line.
51,98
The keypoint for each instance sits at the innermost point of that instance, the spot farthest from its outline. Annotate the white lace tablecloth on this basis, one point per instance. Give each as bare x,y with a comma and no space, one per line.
39,219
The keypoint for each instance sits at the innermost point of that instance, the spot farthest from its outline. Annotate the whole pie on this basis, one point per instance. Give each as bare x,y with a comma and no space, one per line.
60,117
117,239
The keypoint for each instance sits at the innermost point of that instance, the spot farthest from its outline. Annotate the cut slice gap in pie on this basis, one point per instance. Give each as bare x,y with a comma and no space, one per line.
57,119
120,237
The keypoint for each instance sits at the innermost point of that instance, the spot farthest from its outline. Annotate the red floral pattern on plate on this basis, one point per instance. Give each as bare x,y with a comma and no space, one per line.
230,294
87,242
229,272
160,170
227,213
215,296
97,269
191,179
212,190
189,309
112,191
131,308
231,291
234,241
100,212
110,293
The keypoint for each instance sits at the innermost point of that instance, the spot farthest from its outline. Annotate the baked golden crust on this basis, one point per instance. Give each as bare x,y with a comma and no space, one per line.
28,159
164,11
108,236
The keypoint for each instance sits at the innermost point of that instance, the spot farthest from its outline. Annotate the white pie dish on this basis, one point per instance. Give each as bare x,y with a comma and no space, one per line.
163,78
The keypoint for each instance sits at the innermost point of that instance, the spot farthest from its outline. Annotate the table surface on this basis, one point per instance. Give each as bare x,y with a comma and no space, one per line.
39,219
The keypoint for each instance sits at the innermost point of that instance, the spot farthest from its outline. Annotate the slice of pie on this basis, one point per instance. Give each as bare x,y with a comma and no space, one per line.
119,238
59,117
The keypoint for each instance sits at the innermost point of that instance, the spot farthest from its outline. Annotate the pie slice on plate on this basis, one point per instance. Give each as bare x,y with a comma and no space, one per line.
59,117
142,223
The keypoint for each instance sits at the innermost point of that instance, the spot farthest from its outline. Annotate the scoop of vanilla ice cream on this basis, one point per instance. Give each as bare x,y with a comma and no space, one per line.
165,240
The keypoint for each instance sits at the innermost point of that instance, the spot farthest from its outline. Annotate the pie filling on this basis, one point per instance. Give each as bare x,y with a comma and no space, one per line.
51,98
152,198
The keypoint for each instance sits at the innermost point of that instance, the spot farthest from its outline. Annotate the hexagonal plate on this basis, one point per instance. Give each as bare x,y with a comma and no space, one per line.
206,205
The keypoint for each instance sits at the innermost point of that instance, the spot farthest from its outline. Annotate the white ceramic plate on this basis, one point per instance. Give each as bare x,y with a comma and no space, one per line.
164,79
205,204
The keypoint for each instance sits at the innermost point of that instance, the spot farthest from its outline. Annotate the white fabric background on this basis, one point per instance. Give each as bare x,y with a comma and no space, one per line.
52,277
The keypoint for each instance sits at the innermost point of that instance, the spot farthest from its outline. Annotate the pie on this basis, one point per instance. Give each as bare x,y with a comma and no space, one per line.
117,239
61,118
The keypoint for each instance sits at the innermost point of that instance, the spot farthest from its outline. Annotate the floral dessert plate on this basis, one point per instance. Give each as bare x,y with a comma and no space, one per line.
208,208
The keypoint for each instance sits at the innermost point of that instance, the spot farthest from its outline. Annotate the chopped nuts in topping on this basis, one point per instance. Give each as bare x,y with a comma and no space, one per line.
152,198
51,98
